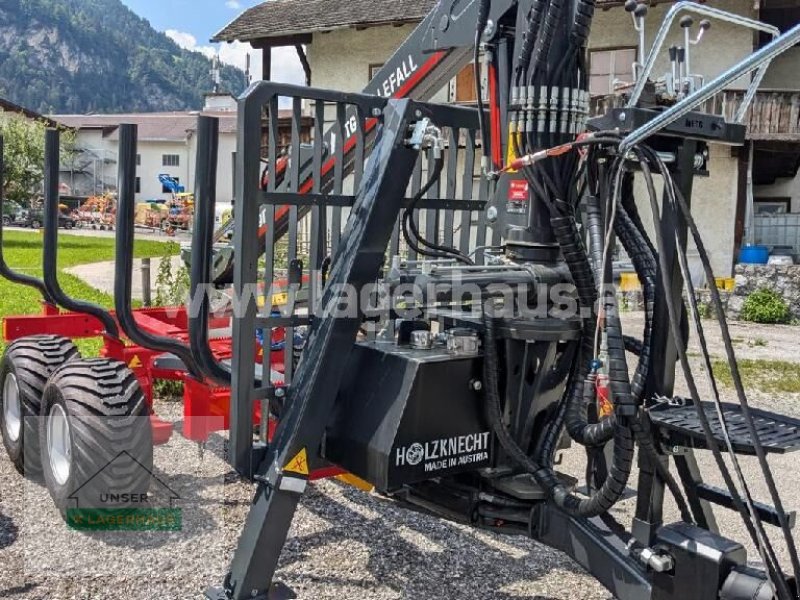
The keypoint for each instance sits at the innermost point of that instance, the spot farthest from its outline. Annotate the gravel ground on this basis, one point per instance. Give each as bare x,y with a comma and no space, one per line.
344,543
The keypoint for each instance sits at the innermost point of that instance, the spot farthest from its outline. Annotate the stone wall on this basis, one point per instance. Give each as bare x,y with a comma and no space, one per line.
783,279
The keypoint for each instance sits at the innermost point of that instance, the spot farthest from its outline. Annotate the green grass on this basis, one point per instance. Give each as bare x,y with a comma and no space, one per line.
23,253
766,375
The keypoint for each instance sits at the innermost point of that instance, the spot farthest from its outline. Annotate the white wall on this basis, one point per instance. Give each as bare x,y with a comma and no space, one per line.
151,167
783,187
714,201
340,59
784,72
227,146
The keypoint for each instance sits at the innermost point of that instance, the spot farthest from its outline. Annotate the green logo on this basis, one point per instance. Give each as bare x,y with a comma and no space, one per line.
96,508
125,519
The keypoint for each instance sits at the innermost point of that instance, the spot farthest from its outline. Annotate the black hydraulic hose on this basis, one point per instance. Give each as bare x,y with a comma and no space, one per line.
625,394
203,248
574,254
751,519
6,271
483,19
411,232
736,377
634,242
126,207
529,38
50,258
615,484
594,230
582,26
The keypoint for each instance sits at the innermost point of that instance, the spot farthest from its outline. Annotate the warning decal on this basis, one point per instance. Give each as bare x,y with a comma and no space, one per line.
136,363
518,190
299,464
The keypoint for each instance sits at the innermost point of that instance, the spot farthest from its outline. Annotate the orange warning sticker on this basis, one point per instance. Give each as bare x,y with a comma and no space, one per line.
299,464
136,363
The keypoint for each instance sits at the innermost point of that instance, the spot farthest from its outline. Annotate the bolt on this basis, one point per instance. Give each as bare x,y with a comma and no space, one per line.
254,593
491,214
622,116
280,392
377,112
418,113
476,385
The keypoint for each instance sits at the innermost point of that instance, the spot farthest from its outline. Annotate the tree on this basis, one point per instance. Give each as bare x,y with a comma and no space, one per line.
23,154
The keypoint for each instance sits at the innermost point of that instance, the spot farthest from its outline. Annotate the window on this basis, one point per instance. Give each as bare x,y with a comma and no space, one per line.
462,87
465,85
374,69
772,206
166,190
138,185
171,160
608,66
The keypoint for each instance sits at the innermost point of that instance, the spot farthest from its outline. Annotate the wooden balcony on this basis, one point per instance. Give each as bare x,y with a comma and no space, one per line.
773,116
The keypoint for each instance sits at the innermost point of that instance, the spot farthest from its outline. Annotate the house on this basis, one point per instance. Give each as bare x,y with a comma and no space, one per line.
342,45
167,144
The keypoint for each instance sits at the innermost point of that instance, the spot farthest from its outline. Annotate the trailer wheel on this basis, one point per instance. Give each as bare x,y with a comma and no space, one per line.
97,442
27,364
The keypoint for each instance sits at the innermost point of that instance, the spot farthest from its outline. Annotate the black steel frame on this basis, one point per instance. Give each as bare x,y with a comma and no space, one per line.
50,249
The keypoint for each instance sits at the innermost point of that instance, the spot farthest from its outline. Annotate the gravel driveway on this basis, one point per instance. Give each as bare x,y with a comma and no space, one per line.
344,543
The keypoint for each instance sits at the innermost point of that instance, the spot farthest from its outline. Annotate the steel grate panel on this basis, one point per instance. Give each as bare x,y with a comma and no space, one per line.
778,434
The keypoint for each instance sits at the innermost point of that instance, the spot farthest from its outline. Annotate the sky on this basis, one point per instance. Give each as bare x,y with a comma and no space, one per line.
192,23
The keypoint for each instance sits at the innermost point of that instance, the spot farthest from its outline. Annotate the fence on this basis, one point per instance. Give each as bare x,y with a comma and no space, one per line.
778,230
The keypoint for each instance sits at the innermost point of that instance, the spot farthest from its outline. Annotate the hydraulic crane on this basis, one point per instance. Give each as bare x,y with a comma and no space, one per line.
499,340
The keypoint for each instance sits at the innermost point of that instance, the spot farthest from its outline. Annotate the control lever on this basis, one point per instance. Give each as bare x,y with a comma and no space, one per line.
681,71
673,61
686,24
638,12
705,25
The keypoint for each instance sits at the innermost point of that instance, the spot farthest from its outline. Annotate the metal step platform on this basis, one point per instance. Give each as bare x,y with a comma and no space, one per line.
678,421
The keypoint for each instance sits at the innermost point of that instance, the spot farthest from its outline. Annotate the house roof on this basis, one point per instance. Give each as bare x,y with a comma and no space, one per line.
291,17
8,106
281,18
153,127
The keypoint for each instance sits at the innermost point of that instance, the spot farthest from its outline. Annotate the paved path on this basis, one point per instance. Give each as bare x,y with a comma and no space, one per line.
101,275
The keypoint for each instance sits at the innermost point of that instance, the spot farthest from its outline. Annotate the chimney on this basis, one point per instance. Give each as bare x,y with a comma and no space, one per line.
219,102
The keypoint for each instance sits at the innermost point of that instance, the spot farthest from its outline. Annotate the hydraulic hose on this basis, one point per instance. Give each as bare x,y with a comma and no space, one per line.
598,503
574,254
582,26
529,38
749,515
483,20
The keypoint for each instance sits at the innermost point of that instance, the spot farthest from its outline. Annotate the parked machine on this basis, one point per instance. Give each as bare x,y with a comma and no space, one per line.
179,208
453,392
461,326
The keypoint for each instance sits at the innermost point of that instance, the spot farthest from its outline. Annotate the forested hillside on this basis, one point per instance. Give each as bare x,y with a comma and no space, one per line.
78,56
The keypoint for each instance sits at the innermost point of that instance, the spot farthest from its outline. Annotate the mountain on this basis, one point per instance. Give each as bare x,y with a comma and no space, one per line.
80,56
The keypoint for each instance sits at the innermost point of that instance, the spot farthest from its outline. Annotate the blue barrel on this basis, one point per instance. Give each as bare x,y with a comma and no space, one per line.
754,255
